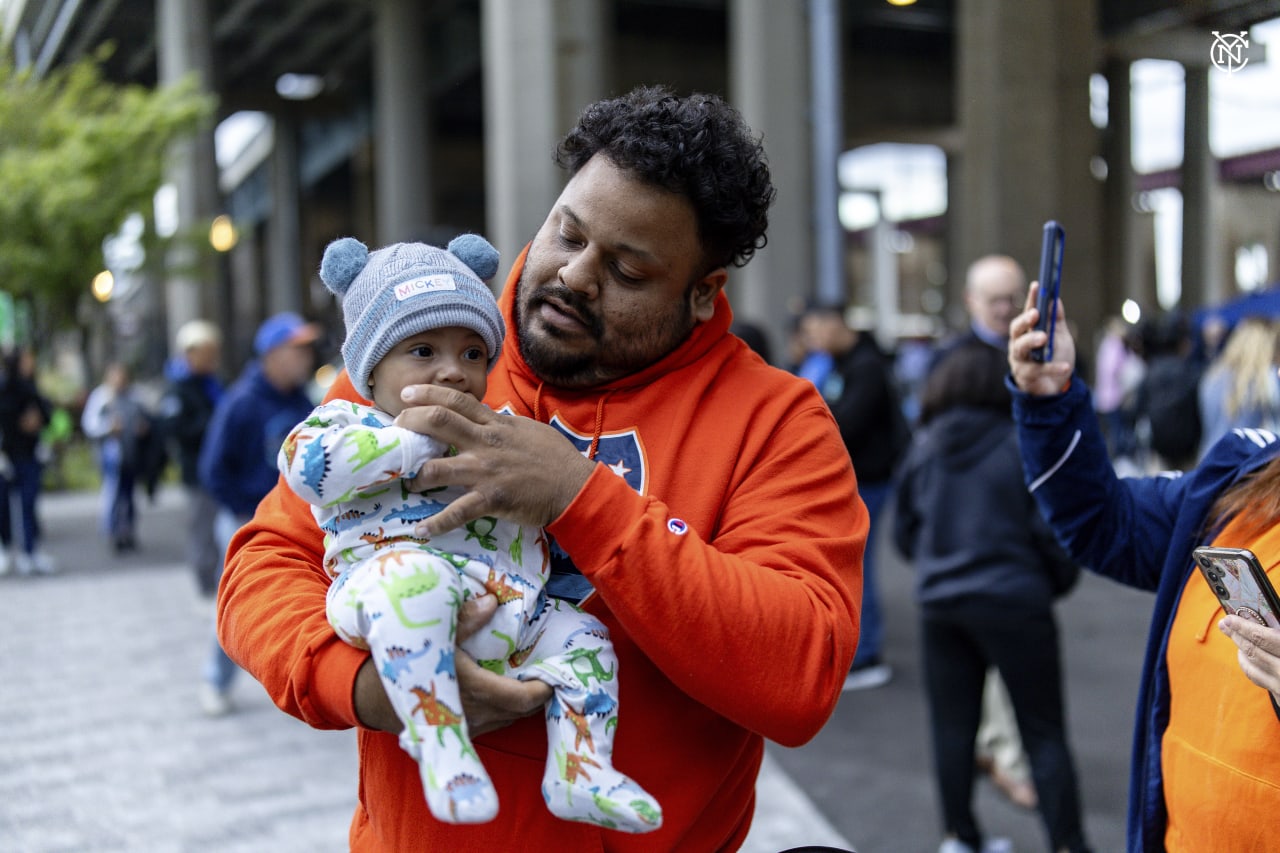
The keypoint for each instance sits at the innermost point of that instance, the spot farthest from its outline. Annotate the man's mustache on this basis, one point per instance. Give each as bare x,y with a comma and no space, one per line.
570,301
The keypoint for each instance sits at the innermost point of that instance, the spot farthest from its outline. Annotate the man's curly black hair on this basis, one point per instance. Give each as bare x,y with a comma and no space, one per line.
697,146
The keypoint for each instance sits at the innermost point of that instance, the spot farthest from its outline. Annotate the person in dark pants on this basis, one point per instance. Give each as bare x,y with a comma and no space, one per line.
855,378
987,572
237,463
994,287
24,412
184,414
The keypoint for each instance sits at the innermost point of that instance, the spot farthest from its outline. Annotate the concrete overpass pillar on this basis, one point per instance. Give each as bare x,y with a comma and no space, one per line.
1202,281
285,281
769,84
1027,142
543,62
826,75
401,106
193,286
1122,269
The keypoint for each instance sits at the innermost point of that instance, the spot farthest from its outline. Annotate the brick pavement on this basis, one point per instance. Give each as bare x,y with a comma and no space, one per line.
102,743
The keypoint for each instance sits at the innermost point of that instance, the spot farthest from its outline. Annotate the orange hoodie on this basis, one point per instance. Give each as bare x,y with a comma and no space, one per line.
723,536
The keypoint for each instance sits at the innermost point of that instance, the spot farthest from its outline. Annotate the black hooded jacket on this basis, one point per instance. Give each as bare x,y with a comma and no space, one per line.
865,404
17,396
965,519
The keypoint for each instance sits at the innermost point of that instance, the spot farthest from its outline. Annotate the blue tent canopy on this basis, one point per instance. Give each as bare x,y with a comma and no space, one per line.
1260,303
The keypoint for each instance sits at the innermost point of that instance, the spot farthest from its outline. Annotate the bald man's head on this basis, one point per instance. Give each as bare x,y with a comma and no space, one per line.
994,290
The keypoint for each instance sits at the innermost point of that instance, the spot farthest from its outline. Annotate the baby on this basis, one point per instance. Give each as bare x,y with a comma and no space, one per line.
416,314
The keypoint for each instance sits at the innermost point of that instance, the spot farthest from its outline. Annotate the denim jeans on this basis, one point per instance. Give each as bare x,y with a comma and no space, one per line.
871,633
220,670
26,479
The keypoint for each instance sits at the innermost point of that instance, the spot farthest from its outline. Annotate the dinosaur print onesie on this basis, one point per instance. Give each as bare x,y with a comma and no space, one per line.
398,596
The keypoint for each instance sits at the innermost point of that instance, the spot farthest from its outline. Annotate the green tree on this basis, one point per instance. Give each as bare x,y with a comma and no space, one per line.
77,155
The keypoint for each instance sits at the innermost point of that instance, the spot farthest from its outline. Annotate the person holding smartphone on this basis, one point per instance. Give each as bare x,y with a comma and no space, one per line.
1206,752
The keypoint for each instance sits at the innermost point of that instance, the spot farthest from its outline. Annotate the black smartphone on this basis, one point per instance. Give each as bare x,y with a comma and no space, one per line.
1240,583
1050,283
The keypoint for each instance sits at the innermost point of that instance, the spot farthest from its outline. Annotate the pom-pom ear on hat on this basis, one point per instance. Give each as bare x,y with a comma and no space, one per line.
476,252
343,259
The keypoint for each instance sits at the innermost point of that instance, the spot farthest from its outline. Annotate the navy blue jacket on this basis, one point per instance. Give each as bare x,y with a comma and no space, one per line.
1138,531
249,423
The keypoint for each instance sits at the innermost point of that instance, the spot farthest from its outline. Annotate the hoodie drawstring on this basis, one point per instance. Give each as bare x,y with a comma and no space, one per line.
599,424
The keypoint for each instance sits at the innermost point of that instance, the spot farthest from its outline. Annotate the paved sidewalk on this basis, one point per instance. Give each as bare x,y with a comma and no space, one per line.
102,743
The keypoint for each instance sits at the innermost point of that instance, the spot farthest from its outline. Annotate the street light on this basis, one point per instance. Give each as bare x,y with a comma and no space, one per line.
222,234
104,283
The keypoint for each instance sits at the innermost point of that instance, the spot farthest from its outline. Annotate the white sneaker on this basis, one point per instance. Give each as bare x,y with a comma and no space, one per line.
43,563
22,562
214,702
871,674
6,562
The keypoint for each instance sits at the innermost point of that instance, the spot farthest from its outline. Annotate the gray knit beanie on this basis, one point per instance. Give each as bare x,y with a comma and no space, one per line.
407,288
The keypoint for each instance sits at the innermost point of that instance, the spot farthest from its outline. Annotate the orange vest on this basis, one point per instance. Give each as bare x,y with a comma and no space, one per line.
1221,750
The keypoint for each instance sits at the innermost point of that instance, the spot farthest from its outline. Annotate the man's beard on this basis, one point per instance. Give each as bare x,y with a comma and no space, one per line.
548,361
604,363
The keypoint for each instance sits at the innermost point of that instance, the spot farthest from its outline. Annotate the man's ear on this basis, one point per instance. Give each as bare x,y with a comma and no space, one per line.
704,292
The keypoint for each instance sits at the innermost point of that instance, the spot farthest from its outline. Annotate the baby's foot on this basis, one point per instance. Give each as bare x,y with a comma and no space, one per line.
583,790
464,798
456,786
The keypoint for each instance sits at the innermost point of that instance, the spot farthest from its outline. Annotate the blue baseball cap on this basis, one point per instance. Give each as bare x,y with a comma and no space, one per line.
281,329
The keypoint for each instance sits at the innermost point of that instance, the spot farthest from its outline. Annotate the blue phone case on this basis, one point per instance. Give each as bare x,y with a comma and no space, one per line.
1050,282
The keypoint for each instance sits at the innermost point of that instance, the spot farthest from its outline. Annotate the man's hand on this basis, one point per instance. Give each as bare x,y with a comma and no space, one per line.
373,708
1033,377
515,468
489,701
1259,653
492,701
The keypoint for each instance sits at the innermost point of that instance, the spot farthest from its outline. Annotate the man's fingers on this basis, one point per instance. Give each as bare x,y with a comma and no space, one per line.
467,507
442,424
445,414
491,701
447,398
474,613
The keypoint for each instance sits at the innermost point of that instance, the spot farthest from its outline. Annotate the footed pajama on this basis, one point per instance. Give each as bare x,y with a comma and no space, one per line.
398,595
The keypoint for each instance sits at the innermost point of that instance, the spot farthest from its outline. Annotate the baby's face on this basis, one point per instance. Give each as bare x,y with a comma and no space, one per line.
454,357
